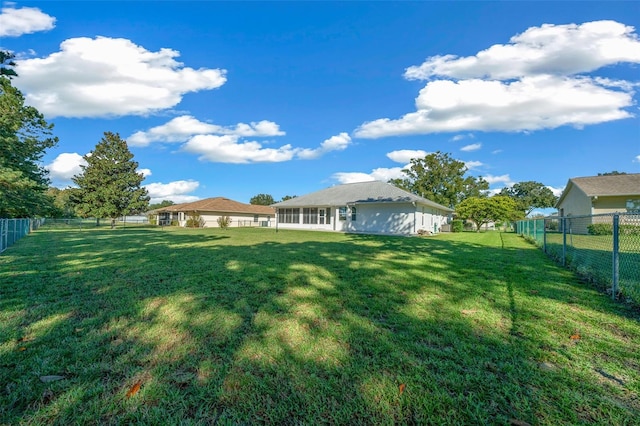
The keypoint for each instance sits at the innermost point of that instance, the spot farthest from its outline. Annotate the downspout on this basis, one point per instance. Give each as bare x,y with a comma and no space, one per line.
415,210
276,219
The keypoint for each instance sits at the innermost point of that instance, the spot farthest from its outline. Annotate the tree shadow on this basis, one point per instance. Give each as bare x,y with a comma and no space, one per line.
218,328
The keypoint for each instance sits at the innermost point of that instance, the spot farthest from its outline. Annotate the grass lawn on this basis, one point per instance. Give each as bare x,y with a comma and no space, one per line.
249,326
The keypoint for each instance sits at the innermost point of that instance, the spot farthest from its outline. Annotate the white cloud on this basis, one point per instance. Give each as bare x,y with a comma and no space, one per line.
338,142
457,138
222,144
473,164
637,159
145,172
406,155
180,129
536,82
64,167
556,191
381,174
533,103
109,77
26,20
504,179
496,151
176,191
471,147
549,49
228,149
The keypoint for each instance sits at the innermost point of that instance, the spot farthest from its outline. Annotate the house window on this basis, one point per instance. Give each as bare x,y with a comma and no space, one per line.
633,206
289,215
353,214
342,213
256,218
321,216
310,215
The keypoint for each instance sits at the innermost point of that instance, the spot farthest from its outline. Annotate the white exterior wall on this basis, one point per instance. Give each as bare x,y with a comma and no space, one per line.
380,218
237,219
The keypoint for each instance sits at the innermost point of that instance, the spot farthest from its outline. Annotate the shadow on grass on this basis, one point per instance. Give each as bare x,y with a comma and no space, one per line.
256,327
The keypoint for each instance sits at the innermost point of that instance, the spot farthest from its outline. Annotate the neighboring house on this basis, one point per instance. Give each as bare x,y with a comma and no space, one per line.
584,196
365,207
210,209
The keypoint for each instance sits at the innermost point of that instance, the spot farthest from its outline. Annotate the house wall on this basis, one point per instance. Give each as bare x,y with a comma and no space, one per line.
237,219
611,204
380,218
576,203
334,225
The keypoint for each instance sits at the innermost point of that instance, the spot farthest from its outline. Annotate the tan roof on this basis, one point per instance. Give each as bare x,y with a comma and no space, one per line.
219,204
602,186
609,185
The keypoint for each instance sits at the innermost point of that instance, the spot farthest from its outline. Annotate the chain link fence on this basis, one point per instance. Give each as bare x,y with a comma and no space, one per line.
605,248
11,230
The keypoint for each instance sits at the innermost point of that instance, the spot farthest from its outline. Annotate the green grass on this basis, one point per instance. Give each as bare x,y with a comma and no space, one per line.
249,326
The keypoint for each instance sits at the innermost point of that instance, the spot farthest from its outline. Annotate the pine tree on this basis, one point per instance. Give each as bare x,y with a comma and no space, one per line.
109,185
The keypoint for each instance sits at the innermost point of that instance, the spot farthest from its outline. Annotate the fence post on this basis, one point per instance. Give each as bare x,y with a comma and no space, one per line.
544,236
564,241
615,255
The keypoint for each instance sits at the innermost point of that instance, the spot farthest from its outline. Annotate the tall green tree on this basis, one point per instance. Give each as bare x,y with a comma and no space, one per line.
482,210
109,185
441,178
288,197
262,200
530,195
24,137
161,204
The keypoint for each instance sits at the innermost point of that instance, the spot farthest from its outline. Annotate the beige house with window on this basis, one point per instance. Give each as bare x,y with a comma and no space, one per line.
365,207
600,194
210,210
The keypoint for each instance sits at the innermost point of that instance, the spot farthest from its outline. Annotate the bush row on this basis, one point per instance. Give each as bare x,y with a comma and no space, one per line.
607,229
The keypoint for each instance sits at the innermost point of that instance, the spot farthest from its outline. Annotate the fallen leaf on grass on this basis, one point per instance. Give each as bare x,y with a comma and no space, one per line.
21,349
469,311
134,390
401,388
51,378
575,336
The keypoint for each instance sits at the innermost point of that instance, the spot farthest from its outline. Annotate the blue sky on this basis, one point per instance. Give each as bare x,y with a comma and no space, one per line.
234,99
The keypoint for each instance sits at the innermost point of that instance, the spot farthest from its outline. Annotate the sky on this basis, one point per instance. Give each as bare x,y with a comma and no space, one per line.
235,99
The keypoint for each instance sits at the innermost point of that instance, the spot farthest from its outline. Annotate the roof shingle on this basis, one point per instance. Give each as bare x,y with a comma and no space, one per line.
219,204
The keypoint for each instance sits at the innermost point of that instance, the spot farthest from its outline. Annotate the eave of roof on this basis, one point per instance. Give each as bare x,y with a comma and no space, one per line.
358,193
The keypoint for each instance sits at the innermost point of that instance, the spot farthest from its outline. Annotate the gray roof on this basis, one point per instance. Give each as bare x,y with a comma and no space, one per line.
358,193
602,186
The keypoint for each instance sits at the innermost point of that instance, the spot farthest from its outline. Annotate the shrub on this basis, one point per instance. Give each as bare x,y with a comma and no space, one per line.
195,221
457,225
600,229
224,222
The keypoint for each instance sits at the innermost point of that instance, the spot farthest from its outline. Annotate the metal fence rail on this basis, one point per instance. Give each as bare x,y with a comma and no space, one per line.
603,248
11,230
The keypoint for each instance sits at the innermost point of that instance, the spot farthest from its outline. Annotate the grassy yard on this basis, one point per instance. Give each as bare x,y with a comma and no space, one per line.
249,326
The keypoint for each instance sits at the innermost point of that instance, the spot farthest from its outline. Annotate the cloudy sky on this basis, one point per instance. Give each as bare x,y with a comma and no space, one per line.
235,99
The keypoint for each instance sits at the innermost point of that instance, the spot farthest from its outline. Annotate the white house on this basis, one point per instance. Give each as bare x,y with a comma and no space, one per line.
365,207
210,209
